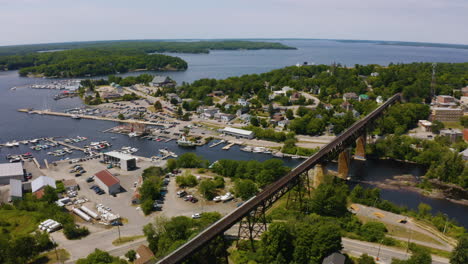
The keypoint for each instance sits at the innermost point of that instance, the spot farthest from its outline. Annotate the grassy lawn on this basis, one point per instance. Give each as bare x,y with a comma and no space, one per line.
51,257
453,124
403,232
19,222
124,240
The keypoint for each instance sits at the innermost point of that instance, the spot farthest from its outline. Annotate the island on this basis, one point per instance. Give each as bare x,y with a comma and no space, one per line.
112,57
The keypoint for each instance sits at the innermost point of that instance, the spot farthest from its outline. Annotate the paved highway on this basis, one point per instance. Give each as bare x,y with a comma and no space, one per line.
357,248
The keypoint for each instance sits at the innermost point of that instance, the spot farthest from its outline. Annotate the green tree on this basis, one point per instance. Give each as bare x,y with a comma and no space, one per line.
424,210
276,243
50,195
131,255
254,121
460,253
187,180
437,126
330,200
373,231
100,257
464,121
245,188
121,116
171,164
208,189
365,259
290,114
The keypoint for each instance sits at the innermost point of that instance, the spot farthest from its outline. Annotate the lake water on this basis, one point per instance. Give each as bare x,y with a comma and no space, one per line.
222,64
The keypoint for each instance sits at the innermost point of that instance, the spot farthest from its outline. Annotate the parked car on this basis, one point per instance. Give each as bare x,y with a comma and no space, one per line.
196,216
77,174
90,179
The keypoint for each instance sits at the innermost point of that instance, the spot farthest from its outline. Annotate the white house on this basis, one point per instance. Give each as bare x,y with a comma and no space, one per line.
242,102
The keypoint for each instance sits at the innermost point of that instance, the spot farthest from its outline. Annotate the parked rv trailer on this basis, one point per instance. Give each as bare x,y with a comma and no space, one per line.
82,214
54,227
90,212
44,225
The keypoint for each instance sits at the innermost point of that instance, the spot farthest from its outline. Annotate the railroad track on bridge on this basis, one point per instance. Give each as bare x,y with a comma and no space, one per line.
276,190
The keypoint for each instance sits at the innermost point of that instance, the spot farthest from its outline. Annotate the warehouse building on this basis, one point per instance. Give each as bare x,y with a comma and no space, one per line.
11,171
108,182
238,133
124,161
16,190
38,185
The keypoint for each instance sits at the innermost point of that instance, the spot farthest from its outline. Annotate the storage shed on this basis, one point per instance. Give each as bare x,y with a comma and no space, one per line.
108,182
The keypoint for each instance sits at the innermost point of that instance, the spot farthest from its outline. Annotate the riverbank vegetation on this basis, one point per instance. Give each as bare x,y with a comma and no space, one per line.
440,156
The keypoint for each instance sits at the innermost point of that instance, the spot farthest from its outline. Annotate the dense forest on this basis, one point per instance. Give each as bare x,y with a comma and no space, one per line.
89,62
100,58
147,46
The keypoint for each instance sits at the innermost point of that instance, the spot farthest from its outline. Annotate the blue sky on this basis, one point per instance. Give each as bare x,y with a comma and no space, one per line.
42,21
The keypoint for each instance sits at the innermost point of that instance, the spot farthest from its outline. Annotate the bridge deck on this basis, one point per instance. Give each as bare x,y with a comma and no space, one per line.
235,216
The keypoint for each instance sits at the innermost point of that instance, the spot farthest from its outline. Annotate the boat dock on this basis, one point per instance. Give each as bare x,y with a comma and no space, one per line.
131,121
232,143
217,143
65,144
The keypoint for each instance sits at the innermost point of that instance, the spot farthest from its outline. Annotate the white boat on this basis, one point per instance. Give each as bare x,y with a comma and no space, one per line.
164,151
94,143
183,142
133,150
228,196
9,145
247,149
34,141
278,154
267,151
295,157
258,150
15,144
75,116
132,134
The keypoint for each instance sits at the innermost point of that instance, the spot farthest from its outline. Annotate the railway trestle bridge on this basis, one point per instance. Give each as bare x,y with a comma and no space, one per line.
251,214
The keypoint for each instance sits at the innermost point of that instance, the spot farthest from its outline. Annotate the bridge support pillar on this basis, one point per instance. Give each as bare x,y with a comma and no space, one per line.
343,164
319,171
360,153
253,225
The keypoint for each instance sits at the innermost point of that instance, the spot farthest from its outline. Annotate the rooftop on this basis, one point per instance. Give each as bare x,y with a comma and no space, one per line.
41,182
144,254
118,155
160,79
10,169
107,178
237,131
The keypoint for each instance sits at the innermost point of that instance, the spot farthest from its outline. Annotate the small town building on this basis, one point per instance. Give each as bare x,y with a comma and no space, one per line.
11,171
464,154
445,101
334,258
71,185
283,123
238,133
363,97
161,81
38,185
350,96
16,189
110,95
328,106
295,96
425,125
216,93
122,160
379,100
207,112
242,102
446,114
144,255
374,74
108,182
245,117
452,134
464,100
464,91
347,106
226,117
174,96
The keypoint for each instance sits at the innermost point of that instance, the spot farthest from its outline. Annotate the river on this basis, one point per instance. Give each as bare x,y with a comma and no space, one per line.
222,64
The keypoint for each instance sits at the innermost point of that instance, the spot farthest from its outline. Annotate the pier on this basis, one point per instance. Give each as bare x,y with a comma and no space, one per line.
65,144
232,143
130,121
217,143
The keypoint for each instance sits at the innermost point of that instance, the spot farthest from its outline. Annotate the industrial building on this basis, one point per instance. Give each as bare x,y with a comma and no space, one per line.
11,171
238,133
124,161
38,185
16,189
108,182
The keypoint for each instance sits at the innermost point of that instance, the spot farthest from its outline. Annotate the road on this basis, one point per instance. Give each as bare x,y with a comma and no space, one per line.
357,248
